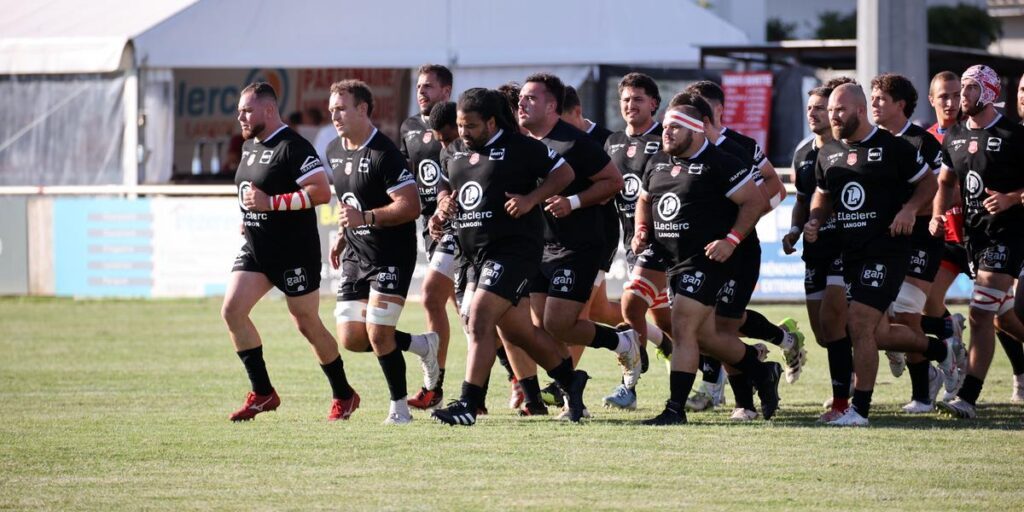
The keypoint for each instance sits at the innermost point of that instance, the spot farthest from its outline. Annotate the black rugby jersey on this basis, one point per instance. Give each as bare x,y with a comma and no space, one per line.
991,157
363,178
599,134
631,154
689,199
867,183
478,181
749,145
278,165
804,158
422,150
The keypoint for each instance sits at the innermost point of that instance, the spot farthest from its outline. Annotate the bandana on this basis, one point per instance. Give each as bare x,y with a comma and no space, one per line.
684,120
988,80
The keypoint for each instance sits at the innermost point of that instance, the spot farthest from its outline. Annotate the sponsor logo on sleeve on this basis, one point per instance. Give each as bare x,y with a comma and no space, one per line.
309,164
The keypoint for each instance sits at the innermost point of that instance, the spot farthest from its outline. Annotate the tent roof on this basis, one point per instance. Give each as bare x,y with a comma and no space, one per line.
66,36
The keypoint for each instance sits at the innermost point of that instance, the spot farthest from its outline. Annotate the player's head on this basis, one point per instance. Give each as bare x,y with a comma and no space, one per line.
257,108
944,97
1020,97
979,88
639,99
893,99
350,105
442,122
433,85
817,111
572,108
834,82
713,94
540,100
847,110
478,116
706,113
683,130
510,91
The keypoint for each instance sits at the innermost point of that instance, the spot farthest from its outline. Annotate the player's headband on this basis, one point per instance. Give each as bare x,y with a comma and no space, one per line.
987,79
682,119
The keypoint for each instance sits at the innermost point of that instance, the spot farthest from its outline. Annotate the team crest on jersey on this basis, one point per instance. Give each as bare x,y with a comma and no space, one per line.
497,154
387,278
295,280
851,158
652,147
972,147
675,170
631,152
691,282
428,136
491,273
364,164
875,155
994,144
873,275
563,280
348,167
474,158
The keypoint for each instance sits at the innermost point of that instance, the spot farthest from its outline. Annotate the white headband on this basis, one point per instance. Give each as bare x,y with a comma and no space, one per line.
684,120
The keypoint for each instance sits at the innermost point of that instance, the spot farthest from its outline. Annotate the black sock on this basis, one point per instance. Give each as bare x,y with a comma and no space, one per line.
531,390
257,370
335,372
751,365
440,381
936,326
605,337
473,396
487,383
919,381
862,401
666,345
403,340
758,327
711,368
503,359
936,350
840,366
970,390
1014,351
393,365
680,384
562,374
742,390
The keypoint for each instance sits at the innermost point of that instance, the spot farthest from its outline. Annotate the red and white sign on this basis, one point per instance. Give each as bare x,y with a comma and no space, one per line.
748,104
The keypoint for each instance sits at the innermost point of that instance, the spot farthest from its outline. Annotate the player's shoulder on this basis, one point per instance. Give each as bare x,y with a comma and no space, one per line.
412,123
381,144
744,141
717,155
1008,128
805,146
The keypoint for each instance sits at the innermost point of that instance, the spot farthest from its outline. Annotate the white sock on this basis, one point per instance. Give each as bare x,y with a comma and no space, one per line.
400,407
787,341
654,334
625,342
419,345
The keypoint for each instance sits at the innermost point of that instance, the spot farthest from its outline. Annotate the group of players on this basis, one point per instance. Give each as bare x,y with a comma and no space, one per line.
524,204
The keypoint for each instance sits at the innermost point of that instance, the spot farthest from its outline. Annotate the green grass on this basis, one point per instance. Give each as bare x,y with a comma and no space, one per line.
122,405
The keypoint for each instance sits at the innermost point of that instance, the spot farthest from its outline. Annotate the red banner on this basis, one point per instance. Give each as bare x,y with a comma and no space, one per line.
748,103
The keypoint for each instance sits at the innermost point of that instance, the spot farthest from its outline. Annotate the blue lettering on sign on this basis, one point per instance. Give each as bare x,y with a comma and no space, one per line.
222,100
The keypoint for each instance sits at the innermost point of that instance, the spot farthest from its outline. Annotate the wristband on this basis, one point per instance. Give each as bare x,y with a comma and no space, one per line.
775,200
734,237
795,230
290,201
574,202
373,218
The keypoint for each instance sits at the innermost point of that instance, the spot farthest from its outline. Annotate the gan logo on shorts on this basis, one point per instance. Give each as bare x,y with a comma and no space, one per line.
243,187
295,280
470,195
668,207
975,185
429,173
873,275
387,278
350,199
491,272
691,282
563,280
631,187
809,275
995,257
728,292
852,195
918,262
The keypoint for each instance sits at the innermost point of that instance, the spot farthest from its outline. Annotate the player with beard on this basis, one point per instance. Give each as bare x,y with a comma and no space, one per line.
732,311
865,176
421,148
698,203
574,242
280,179
823,278
982,155
630,151
378,204
499,181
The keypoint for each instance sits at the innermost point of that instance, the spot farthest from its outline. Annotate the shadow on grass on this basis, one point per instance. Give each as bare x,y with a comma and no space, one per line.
996,416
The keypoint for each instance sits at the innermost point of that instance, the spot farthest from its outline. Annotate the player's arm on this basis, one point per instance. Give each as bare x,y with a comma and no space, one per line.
925,187
315,190
998,202
801,212
604,184
641,223
820,211
751,204
774,190
404,207
556,181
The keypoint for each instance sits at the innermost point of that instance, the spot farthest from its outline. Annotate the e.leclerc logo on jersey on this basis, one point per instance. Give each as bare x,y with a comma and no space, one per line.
470,195
631,187
350,199
852,196
429,172
974,183
668,207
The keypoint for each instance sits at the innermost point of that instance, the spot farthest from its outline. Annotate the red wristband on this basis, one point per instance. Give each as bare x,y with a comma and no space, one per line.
734,237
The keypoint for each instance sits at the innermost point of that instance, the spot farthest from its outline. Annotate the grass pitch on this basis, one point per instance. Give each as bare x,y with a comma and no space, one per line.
122,405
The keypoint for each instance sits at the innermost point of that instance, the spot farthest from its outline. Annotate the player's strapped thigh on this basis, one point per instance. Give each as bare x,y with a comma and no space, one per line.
910,299
1008,303
350,311
642,287
989,299
384,308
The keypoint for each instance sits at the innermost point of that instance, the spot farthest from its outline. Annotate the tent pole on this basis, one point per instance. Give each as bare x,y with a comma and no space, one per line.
130,143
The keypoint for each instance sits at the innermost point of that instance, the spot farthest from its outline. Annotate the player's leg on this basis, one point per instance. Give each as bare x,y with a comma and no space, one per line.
305,312
687,316
438,289
244,290
1010,332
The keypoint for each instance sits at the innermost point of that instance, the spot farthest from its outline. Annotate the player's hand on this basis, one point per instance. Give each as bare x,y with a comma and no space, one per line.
517,205
336,248
446,207
639,241
435,225
811,231
719,250
937,226
789,242
558,206
350,217
241,228
903,223
256,199
998,202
